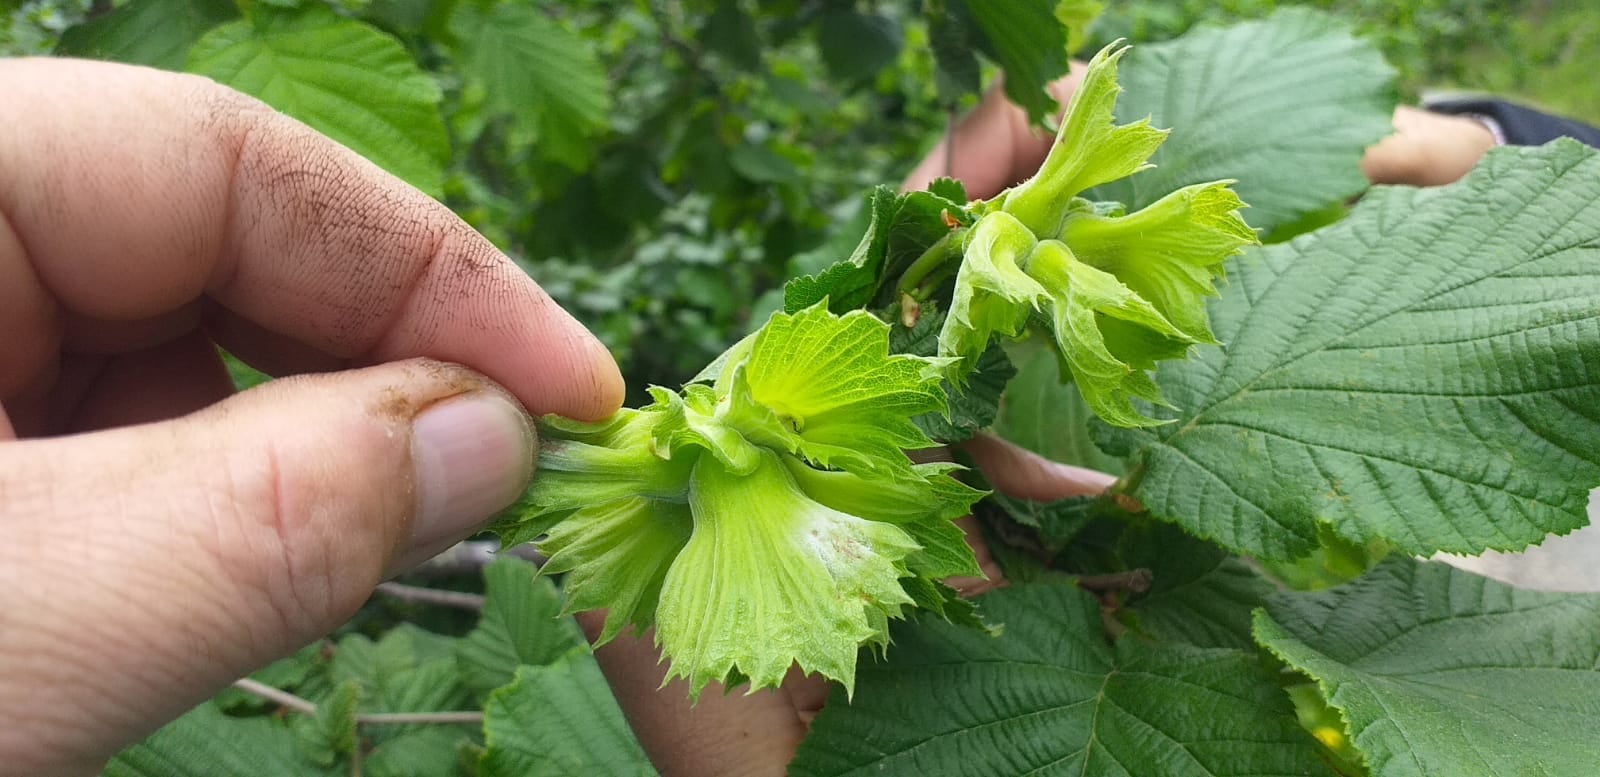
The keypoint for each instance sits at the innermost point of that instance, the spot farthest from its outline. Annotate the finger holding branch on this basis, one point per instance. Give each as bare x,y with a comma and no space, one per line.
159,539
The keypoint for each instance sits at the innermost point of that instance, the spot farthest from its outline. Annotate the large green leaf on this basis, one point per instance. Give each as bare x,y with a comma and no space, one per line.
1285,106
1439,671
346,79
521,624
855,45
1050,697
431,686
371,664
534,68
207,743
388,670
1199,594
157,33
1054,523
559,720
1426,371
956,72
423,751
1030,44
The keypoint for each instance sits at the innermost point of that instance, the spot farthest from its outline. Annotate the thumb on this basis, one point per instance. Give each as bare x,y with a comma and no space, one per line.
143,568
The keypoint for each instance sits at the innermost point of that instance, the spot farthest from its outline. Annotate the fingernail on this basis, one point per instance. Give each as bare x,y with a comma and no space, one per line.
474,455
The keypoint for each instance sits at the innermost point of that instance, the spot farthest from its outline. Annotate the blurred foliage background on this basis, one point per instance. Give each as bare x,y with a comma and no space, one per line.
662,167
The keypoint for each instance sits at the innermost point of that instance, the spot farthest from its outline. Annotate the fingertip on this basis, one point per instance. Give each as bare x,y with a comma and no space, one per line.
597,388
612,388
580,380
1023,474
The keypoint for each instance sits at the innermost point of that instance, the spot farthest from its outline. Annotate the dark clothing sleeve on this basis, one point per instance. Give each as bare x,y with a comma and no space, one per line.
1522,126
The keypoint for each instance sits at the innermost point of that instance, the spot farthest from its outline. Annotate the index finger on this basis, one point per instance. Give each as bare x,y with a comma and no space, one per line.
130,194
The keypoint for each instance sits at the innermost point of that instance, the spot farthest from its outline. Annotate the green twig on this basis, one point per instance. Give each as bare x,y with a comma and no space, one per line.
936,257
1128,484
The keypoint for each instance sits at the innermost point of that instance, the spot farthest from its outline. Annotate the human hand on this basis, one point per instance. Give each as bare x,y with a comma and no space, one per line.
1427,149
756,735
157,539
994,145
